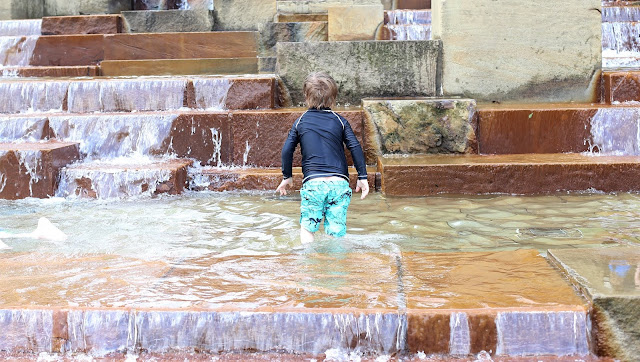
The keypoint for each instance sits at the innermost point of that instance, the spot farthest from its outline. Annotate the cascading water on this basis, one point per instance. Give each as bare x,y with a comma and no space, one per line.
22,129
211,93
410,32
16,50
620,44
405,17
409,24
616,131
26,97
20,27
620,13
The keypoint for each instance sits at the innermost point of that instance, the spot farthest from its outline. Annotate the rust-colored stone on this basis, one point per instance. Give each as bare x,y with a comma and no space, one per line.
179,66
244,93
264,179
413,4
203,136
428,332
82,24
513,174
68,50
546,129
59,330
483,332
71,71
258,136
32,169
228,44
621,86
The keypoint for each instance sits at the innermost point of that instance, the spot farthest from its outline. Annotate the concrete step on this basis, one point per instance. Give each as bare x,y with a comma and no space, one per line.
422,175
81,24
123,178
610,278
179,67
553,128
454,304
264,179
32,169
235,138
139,94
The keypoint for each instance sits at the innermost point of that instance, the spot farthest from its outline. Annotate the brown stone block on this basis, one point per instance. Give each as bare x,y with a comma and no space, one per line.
84,24
264,179
515,174
228,44
59,330
428,332
621,87
39,72
413,4
483,332
246,93
205,137
32,169
534,130
179,66
68,50
258,136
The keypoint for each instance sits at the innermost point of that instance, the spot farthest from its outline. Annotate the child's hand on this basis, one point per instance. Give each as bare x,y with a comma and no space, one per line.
283,186
364,186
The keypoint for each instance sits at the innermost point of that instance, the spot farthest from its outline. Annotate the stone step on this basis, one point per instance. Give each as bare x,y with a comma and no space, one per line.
123,178
168,21
552,128
264,179
54,72
610,279
179,67
32,169
301,17
422,175
509,303
90,49
621,86
81,24
139,94
235,138
405,32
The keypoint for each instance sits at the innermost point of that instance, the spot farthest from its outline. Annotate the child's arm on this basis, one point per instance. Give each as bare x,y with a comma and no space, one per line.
287,159
357,155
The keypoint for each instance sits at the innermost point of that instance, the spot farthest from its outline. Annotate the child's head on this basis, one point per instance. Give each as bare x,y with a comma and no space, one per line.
320,90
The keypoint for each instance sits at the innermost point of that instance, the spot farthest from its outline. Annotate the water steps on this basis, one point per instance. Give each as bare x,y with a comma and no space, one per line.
153,67
509,303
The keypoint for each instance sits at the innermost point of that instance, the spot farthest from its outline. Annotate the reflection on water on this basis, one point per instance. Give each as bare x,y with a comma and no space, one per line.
226,224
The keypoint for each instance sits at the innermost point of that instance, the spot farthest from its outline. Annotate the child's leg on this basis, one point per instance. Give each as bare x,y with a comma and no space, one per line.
306,236
335,214
311,210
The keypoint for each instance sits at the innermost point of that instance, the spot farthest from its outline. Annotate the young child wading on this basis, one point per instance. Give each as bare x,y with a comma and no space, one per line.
322,134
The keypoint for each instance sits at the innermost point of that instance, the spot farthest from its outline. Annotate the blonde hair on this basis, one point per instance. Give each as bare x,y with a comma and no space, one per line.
320,90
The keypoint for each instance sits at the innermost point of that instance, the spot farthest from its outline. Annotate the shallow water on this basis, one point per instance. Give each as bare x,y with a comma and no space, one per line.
224,224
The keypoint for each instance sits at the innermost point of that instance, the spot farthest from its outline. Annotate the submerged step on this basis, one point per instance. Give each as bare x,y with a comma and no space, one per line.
33,169
123,178
179,67
82,24
54,72
511,174
264,179
453,304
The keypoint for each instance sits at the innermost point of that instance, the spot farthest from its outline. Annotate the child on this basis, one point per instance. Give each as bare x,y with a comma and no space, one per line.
322,134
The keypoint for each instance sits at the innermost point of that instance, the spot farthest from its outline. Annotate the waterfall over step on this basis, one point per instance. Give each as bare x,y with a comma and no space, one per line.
20,27
16,50
407,25
616,131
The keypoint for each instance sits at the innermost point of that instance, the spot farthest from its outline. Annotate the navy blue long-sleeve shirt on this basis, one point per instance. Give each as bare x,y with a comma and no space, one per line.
322,135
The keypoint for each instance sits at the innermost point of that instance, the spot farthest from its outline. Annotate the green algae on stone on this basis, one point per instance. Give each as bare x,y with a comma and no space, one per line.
410,126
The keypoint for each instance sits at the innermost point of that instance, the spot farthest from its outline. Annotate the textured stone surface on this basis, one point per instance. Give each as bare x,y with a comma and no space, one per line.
258,136
32,169
355,22
243,14
179,66
511,174
167,21
68,50
205,137
421,125
534,129
180,45
291,32
84,7
610,278
365,69
297,18
21,9
520,51
77,25
621,87
317,6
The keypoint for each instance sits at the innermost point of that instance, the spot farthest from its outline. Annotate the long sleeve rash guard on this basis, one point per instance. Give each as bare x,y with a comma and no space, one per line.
322,135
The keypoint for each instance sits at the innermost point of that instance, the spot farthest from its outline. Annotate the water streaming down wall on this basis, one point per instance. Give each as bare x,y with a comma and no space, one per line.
22,129
409,24
616,131
620,13
405,17
16,50
20,27
27,97
620,44
410,32
26,330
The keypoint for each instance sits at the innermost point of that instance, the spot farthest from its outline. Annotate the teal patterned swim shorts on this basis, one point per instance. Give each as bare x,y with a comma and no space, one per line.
328,200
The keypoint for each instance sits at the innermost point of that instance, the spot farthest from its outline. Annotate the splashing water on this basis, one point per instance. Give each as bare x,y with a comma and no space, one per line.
616,131
32,96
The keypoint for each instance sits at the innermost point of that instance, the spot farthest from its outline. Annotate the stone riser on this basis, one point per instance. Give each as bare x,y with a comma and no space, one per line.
620,87
509,174
140,94
32,169
243,138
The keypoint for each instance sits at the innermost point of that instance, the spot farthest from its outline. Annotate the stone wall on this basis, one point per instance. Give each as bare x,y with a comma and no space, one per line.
243,14
362,68
21,9
83,7
515,50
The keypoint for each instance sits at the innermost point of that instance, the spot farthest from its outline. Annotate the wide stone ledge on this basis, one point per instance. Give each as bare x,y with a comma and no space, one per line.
509,174
32,169
167,21
179,67
363,68
86,24
68,50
